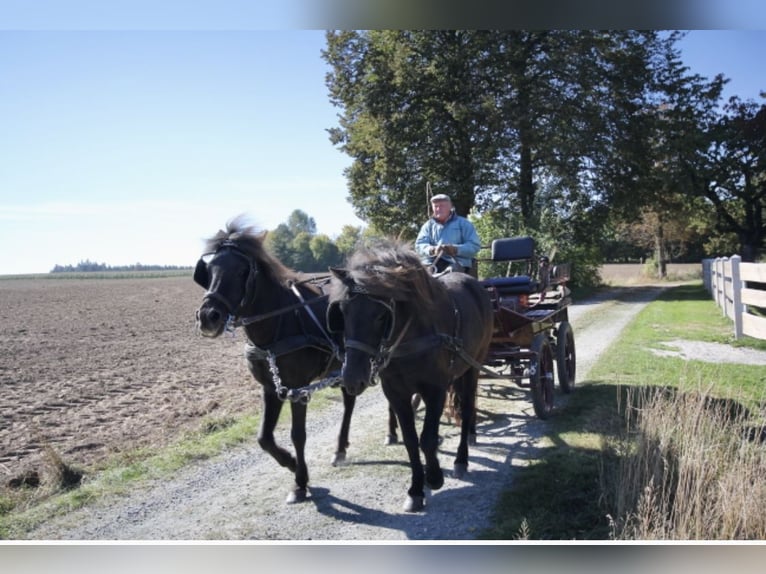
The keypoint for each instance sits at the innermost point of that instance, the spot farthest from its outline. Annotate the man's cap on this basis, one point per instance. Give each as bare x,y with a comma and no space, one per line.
441,197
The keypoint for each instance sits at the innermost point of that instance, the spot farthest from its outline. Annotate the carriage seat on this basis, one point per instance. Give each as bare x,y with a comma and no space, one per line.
513,249
517,285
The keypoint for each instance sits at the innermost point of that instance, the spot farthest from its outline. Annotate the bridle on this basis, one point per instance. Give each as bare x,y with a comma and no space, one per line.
249,293
381,355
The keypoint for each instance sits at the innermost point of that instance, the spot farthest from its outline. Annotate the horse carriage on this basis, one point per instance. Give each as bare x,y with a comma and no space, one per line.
531,326
385,318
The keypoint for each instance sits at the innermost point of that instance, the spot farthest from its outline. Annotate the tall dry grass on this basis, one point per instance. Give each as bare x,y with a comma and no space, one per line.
691,467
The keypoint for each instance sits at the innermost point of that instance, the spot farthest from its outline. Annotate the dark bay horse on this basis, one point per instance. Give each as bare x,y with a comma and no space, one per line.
283,315
419,334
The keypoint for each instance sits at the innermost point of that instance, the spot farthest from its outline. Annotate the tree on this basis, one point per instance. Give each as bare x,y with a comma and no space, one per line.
325,253
731,173
280,243
348,239
559,134
297,244
645,181
416,111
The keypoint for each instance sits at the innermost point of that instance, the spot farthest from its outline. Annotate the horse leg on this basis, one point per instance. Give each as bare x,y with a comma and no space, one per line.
272,407
429,437
416,499
348,409
391,437
466,386
298,436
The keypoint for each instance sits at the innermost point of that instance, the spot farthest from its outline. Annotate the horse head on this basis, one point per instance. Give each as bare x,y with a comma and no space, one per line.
229,279
367,323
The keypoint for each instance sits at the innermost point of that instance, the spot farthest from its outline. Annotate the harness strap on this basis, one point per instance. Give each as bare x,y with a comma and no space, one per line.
333,346
417,345
284,346
244,321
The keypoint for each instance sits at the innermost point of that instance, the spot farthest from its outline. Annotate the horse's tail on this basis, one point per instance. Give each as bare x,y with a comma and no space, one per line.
454,404
455,393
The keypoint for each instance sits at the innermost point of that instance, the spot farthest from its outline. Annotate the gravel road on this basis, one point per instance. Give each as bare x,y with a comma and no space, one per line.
240,495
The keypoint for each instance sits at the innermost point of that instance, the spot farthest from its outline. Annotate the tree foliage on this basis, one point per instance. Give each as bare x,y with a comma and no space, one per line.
560,134
297,244
731,173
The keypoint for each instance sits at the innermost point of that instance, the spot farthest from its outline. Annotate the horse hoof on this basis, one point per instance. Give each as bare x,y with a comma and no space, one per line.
459,470
415,503
390,439
339,459
435,482
296,495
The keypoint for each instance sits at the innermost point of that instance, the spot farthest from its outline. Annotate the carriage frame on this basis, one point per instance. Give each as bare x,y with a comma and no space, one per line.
531,330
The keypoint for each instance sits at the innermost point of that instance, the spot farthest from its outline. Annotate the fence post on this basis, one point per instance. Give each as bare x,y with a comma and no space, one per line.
707,271
720,285
736,295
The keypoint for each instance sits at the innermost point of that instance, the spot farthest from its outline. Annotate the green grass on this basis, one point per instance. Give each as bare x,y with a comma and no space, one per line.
562,495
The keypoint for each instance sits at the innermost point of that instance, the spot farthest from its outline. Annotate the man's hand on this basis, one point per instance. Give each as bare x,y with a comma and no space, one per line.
450,250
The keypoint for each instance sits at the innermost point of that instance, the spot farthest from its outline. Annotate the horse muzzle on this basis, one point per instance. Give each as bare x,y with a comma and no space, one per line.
211,321
356,373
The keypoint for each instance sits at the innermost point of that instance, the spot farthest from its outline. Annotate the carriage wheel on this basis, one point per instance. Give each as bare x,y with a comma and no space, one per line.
541,376
565,357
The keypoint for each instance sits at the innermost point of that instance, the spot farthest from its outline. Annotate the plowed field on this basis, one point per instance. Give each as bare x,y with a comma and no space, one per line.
94,367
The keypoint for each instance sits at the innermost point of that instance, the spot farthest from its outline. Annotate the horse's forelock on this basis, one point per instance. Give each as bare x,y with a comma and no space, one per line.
250,241
393,270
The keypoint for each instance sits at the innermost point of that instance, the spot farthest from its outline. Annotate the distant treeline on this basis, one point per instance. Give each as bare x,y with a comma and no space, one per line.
87,265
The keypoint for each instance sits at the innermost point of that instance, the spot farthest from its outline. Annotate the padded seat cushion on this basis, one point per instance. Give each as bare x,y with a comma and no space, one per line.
513,249
515,285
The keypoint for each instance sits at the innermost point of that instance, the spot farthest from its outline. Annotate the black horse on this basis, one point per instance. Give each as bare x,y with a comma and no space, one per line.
283,314
419,334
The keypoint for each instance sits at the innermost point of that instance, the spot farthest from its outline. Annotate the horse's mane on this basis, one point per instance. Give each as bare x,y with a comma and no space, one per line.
390,268
250,241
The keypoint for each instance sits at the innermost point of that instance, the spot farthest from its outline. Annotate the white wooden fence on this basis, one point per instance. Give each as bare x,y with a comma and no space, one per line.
726,279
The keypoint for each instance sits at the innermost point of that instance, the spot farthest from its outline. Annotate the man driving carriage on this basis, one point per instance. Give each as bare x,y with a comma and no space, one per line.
447,239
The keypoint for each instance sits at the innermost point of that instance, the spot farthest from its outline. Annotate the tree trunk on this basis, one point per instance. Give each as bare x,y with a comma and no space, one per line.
659,251
526,186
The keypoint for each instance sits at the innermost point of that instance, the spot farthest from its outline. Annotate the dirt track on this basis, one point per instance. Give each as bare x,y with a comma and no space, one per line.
98,367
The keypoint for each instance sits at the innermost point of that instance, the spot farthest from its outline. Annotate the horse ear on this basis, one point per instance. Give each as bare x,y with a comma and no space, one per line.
201,276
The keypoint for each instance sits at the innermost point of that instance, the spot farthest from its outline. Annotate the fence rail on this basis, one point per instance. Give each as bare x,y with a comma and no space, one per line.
734,286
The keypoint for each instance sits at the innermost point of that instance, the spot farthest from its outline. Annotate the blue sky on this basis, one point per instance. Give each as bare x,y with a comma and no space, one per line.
132,146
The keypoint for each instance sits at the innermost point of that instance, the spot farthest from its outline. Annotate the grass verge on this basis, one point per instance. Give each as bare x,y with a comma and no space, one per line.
21,511
584,484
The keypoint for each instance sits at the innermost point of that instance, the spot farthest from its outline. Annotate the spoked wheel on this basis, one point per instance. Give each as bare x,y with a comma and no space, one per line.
565,357
541,376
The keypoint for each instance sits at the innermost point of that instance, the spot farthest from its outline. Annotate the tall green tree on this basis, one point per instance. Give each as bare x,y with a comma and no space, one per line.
731,174
490,117
646,183
416,112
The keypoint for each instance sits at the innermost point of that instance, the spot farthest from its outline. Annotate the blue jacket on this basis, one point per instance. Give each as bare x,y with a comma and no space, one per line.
457,231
